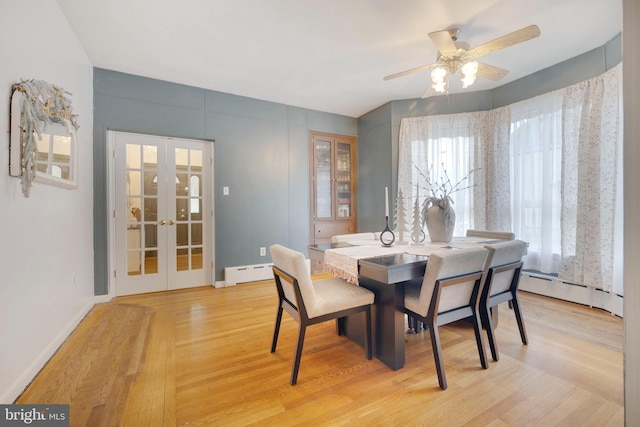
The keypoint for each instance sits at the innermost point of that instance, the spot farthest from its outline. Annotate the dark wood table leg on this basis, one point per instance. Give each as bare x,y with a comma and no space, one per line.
389,327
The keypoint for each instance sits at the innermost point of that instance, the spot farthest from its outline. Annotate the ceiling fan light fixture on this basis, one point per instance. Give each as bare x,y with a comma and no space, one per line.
469,72
438,75
468,81
440,87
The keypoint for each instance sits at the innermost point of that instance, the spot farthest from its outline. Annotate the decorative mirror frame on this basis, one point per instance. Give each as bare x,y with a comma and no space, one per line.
38,108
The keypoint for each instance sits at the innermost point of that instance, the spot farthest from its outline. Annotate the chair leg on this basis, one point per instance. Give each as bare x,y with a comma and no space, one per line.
437,354
477,328
487,321
276,330
411,323
368,342
519,319
298,354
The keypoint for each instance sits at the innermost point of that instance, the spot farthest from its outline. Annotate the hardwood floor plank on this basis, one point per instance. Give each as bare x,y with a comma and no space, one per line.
201,357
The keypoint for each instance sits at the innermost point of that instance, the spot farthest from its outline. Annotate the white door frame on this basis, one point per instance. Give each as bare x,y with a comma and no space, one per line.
111,206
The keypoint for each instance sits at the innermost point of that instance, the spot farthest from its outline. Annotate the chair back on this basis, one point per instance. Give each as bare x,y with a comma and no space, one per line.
500,235
340,238
294,264
447,264
503,254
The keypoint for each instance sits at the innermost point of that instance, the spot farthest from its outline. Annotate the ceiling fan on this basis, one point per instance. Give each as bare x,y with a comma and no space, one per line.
454,55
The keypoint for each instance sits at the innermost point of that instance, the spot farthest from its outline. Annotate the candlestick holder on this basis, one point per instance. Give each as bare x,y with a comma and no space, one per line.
387,237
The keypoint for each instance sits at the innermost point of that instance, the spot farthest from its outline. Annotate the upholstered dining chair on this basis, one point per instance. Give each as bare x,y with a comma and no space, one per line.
501,281
450,291
310,302
498,235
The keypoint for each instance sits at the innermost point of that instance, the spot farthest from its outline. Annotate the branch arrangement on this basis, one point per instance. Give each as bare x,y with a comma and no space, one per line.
442,190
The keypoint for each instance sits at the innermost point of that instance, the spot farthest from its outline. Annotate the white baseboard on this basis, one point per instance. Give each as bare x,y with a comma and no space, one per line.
22,382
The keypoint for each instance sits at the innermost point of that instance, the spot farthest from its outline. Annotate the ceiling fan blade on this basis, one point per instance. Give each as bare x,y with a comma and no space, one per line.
413,70
491,72
444,42
519,36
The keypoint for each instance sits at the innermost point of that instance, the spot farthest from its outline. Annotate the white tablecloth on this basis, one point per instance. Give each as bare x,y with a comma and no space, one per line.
343,262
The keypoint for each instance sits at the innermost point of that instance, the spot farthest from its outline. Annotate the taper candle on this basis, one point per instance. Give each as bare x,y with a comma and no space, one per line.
386,202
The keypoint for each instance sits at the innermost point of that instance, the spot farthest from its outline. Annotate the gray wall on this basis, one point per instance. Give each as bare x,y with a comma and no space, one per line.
261,153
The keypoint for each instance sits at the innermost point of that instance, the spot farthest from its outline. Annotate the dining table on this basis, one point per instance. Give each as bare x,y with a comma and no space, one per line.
384,270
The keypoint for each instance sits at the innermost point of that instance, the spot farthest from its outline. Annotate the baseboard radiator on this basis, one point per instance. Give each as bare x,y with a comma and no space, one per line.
551,286
249,273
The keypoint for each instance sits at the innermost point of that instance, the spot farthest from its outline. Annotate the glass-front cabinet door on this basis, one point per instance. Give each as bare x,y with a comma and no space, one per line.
333,185
343,180
323,179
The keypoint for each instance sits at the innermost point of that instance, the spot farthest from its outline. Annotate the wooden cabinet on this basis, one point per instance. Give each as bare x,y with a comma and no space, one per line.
334,187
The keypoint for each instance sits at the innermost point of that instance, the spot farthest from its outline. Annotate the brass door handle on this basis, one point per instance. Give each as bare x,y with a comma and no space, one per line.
171,222
163,222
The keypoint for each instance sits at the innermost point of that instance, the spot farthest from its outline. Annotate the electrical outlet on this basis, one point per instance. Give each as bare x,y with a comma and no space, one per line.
263,251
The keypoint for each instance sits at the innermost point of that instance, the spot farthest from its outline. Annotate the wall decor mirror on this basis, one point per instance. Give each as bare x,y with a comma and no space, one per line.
43,144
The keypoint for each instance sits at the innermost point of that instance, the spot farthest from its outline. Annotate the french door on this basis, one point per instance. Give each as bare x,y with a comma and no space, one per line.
162,213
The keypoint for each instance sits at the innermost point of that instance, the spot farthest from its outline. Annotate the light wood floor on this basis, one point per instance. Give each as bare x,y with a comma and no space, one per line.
200,357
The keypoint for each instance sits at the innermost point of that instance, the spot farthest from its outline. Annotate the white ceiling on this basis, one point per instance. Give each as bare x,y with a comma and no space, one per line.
327,55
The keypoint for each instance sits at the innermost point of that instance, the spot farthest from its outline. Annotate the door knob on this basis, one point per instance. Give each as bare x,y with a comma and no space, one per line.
163,222
171,222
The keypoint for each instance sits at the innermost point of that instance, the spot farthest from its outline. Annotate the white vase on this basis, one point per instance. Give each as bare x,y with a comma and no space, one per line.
440,219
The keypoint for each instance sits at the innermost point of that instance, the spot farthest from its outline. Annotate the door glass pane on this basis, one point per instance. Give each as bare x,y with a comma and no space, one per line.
182,184
196,234
196,160
150,262
196,258
195,187
133,156
151,235
151,183
194,209
323,178
181,209
134,267
343,178
133,183
150,153
134,211
150,209
182,234
182,157
182,259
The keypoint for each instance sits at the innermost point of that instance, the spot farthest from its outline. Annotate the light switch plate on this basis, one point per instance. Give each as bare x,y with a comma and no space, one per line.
225,191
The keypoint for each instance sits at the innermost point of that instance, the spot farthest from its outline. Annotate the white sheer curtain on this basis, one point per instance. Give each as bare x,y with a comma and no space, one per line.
440,147
536,176
550,172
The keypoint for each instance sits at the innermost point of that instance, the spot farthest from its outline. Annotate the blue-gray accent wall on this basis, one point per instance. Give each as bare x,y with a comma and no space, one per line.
262,149
261,152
